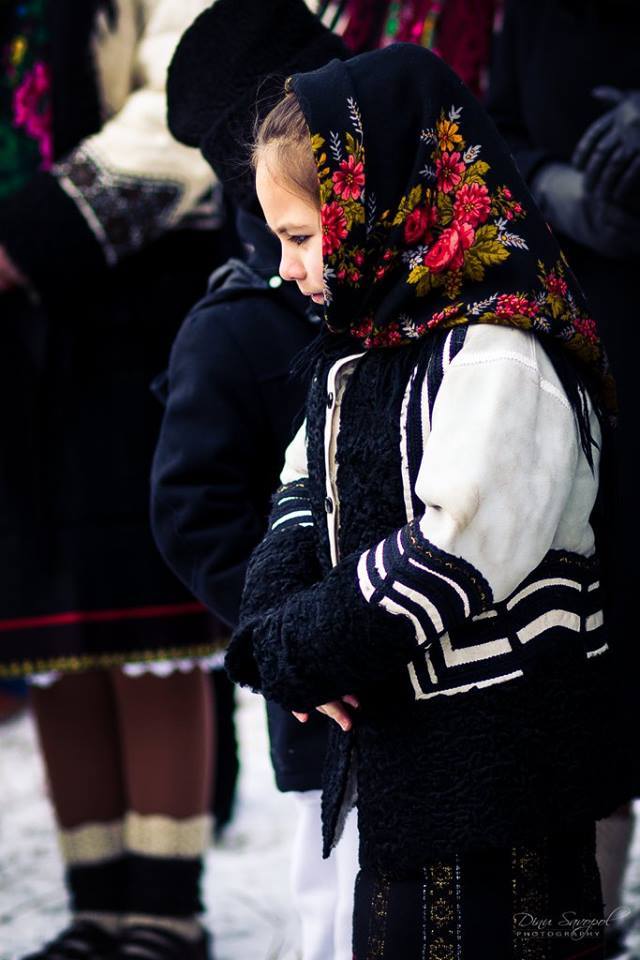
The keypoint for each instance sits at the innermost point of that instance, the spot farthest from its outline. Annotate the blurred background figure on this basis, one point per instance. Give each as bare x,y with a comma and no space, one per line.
232,405
108,231
460,31
565,94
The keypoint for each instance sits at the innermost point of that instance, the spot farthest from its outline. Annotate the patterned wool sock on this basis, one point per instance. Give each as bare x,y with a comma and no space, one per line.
78,729
95,869
166,726
164,863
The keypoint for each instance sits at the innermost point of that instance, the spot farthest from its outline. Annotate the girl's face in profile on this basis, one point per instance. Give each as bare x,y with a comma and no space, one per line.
295,220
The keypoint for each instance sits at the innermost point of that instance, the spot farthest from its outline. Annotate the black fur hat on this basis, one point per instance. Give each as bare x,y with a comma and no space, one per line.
229,69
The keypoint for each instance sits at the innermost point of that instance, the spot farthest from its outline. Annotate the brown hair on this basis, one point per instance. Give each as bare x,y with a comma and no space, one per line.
285,132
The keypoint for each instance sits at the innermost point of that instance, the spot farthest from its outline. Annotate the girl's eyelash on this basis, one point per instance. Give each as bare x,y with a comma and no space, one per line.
299,240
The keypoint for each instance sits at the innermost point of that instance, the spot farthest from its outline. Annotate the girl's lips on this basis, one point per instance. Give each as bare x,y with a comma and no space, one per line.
317,297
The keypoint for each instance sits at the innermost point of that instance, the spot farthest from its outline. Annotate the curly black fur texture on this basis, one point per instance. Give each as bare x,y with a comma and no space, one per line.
476,771
284,563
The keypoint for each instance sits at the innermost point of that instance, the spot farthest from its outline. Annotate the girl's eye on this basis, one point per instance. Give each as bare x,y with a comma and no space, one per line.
299,240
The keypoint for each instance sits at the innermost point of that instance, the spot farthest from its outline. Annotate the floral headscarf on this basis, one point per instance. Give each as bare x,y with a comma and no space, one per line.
426,222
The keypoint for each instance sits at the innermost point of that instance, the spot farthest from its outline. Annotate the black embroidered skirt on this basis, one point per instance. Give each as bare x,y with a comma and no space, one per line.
529,902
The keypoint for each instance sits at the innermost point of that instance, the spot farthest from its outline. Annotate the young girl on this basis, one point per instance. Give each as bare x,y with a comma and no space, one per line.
430,579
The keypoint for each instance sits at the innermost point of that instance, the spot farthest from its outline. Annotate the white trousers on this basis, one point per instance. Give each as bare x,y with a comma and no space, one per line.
322,890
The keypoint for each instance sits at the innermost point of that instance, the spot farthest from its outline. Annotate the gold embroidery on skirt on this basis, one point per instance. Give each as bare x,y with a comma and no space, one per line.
378,925
442,884
530,895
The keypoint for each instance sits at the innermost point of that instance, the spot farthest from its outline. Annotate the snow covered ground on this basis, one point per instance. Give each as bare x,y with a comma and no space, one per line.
246,887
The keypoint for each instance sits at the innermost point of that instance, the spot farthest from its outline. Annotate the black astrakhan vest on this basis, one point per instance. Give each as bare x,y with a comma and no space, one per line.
482,763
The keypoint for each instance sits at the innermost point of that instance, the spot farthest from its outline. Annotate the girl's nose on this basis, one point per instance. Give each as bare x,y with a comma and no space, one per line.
291,267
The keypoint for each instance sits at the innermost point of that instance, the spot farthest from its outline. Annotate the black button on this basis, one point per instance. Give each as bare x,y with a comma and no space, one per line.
330,400
328,505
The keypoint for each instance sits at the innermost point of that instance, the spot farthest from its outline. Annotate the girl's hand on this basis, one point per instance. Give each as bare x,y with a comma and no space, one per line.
335,710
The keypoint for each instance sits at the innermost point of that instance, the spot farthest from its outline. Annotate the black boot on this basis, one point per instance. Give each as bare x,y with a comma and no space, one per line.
156,943
80,941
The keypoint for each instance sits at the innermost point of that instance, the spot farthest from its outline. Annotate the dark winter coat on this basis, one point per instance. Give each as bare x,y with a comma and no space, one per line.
231,408
493,732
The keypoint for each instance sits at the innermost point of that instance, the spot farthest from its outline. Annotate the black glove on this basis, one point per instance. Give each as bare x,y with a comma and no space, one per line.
561,193
609,150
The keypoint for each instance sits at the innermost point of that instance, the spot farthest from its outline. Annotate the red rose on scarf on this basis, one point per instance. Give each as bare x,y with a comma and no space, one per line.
473,204
348,180
448,251
449,170
418,225
334,227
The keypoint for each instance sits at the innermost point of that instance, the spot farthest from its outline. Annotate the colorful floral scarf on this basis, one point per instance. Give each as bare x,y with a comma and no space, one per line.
427,223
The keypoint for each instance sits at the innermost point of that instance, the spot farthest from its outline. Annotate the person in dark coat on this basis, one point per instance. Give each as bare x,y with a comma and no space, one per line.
109,229
232,404
564,93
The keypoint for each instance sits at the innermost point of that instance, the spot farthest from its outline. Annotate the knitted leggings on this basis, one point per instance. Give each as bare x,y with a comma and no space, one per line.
128,761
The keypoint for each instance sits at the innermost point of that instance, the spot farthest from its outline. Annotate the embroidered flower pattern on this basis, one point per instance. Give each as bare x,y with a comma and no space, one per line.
342,199
472,205
334,227
443,236
417,227
348,180
469,233
447,132
450,168
448,250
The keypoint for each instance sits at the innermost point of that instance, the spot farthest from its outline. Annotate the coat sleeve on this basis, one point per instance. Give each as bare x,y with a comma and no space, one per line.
119,189
496,474
216,454
285,562
504,102
204,512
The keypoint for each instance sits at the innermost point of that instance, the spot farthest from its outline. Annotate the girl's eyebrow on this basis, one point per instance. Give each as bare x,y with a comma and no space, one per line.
291,228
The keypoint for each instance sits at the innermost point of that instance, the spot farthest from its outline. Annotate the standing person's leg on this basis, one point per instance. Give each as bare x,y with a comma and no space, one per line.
77,727
166,731
313,880
613,840
346,854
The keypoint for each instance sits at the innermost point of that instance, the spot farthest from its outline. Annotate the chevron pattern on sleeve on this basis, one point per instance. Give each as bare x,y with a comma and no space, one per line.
409,576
